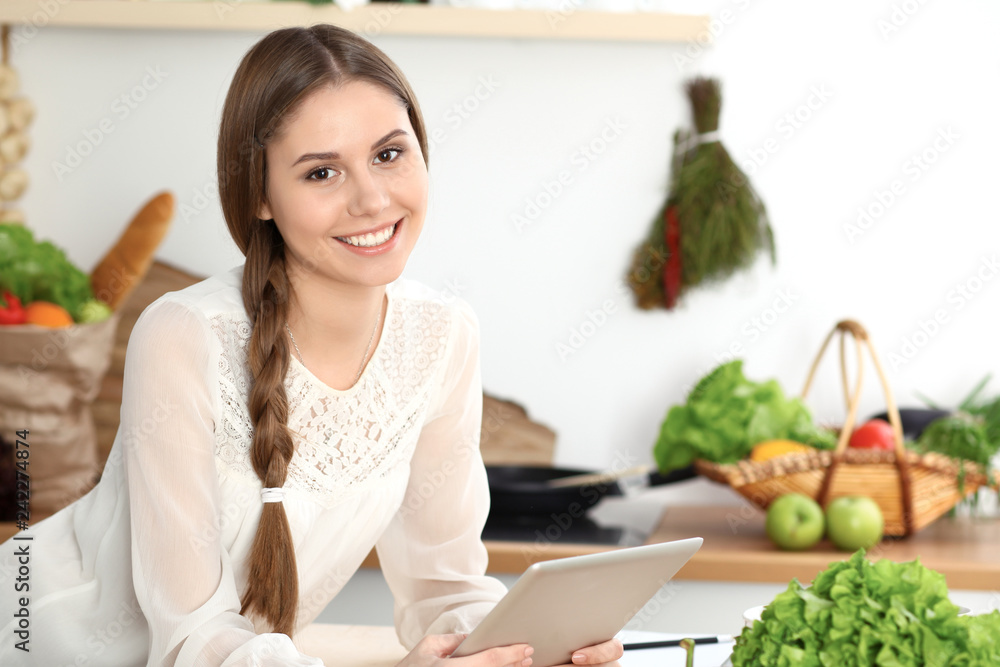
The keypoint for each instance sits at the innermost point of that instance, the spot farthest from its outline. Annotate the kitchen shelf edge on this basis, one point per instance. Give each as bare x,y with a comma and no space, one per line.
382,18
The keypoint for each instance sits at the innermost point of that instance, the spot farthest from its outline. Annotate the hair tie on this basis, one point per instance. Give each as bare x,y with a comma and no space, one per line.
272,495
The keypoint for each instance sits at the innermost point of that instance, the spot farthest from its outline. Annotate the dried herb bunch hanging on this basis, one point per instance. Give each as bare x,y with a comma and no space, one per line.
712,224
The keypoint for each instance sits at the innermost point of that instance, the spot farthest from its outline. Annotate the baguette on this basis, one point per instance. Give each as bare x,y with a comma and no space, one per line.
126,263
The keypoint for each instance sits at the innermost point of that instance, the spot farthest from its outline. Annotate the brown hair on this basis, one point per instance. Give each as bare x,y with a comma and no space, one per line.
275,76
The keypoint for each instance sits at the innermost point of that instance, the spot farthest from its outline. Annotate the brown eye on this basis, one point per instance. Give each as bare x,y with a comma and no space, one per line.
386,155
321,174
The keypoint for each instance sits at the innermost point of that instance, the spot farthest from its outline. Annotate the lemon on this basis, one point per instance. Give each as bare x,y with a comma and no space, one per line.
770,449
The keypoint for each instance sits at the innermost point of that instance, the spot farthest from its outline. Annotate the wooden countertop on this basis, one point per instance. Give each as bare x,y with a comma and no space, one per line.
351,645
965,550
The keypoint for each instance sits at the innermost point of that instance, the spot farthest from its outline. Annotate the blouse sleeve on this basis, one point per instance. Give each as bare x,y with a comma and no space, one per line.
432,553
183,578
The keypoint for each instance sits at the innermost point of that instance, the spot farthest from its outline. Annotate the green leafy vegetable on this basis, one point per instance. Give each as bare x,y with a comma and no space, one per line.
988,414
39,271
726,415
857,613
962,436
971,434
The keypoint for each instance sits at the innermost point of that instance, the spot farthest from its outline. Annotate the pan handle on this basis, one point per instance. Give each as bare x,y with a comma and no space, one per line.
679,475
592,479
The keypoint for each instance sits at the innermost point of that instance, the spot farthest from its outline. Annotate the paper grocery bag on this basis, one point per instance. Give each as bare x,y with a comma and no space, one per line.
48,380
509,437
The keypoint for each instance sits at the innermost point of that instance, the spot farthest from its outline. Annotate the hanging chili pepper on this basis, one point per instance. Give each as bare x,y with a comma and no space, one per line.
673,269
11,310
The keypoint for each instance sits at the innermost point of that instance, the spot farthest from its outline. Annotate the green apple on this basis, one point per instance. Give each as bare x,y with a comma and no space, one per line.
854,522
794,522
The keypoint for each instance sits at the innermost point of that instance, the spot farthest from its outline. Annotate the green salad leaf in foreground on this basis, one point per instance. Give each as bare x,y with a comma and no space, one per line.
726,414
858,613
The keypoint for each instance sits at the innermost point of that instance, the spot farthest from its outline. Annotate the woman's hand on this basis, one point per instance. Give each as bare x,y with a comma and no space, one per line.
599,654
434,649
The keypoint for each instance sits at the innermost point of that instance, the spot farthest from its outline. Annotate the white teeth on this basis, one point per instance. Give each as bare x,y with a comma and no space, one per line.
370,240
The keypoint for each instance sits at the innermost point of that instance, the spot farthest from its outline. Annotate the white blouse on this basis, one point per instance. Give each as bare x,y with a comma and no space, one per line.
147,568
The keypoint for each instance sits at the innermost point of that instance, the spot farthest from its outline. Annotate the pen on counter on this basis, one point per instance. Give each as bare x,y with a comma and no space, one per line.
667,643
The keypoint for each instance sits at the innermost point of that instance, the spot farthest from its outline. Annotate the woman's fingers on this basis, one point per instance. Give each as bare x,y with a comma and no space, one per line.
516,655
443,645
435,647
599,653
431,650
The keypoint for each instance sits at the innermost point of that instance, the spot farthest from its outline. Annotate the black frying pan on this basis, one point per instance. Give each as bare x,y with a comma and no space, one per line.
914,420
522,490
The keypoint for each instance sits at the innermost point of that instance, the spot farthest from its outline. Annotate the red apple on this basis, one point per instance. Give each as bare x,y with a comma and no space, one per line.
874,434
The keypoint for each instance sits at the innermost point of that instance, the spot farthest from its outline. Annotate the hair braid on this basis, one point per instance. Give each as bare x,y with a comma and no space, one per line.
272,579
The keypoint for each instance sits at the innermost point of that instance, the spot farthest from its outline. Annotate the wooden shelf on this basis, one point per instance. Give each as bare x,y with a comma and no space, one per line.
388,18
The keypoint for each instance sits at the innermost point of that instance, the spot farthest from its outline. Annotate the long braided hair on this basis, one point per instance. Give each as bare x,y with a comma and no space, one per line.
275,76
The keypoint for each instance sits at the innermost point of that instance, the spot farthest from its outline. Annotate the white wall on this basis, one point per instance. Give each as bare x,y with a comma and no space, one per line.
886,99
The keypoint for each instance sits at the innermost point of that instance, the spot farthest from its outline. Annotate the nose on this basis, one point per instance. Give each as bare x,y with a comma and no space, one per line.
368,195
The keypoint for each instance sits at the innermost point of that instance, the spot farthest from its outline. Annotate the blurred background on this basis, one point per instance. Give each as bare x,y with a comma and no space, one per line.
868,128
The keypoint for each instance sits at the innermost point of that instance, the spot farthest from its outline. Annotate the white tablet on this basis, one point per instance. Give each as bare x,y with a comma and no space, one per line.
558,606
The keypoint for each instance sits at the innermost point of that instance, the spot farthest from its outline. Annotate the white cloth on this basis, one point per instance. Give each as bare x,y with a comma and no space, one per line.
147,568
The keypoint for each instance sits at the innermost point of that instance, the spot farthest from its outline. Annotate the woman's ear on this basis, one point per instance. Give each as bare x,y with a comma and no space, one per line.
264,212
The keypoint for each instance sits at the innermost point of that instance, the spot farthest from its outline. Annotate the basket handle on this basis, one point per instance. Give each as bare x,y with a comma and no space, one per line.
861,338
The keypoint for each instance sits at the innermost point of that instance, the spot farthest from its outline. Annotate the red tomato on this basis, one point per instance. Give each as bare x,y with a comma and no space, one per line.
874,434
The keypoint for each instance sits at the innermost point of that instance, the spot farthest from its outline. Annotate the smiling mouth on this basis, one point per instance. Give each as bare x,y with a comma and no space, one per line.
371,240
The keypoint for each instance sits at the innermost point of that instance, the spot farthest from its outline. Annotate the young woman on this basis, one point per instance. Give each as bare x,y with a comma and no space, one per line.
281,419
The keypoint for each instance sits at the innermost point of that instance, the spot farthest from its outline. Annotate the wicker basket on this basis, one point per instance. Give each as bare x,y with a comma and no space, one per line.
911,489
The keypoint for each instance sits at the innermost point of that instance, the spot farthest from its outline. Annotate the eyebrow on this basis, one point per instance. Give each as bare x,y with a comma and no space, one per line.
306,157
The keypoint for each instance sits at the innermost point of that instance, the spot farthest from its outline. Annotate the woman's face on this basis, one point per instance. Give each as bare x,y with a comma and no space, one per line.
347,186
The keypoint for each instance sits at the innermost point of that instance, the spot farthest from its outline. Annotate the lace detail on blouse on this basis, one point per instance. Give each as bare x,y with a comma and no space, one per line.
343,439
